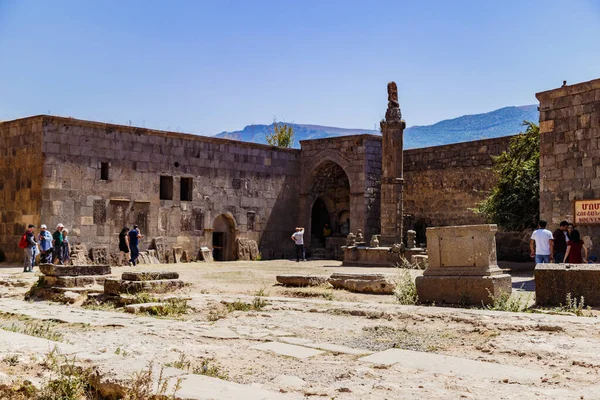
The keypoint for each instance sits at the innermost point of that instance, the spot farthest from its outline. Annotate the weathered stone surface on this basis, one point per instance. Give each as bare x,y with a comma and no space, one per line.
205,254
71,296
149,275
302,280
177,251
554,281
448,365
247,250
114,287
289,350
99,255
462,289
79,270
462,266
364,283
73,281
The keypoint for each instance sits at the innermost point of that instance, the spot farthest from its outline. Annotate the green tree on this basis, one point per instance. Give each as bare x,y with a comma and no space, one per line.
514,203
282,135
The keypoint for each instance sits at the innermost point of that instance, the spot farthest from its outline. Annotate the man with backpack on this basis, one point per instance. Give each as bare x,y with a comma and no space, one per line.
29,245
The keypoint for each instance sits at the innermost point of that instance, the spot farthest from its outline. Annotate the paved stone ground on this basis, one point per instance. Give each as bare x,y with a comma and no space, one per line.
310,341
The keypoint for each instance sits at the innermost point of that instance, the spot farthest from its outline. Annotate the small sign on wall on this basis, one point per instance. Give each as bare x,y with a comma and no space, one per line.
587,212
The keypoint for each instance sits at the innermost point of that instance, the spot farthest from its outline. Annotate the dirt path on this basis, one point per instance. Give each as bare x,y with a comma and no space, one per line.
319,344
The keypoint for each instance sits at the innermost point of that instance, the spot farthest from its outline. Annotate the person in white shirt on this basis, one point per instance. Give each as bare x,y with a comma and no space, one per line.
298,238
544,244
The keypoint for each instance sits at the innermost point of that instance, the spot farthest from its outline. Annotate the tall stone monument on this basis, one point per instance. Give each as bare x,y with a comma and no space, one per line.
392,180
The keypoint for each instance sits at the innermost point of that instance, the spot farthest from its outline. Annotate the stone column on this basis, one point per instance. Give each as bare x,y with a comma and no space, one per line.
392,180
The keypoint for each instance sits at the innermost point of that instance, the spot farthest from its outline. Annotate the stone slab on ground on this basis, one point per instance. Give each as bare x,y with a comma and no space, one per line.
334,348
86,289
462,289
114,287
200,387
73,281
448,365
364,283
302,280
149,275
289,350
554,281
74,270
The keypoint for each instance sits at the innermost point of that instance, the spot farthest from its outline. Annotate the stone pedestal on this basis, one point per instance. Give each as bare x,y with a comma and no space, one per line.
462,266
553,282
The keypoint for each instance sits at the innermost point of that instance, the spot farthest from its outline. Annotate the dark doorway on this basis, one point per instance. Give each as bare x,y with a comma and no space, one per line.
218,246
224,238
319,217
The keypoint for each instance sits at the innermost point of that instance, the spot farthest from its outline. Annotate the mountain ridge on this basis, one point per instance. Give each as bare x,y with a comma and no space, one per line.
497,123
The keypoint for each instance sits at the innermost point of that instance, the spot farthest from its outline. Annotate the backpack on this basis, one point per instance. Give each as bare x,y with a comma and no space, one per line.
23,243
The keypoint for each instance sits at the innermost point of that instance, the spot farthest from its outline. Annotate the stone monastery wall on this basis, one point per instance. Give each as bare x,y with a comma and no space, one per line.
570,153
97,178
100,177
442,183
20,181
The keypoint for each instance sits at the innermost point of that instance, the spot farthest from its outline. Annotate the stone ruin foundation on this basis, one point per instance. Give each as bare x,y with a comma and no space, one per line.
462,267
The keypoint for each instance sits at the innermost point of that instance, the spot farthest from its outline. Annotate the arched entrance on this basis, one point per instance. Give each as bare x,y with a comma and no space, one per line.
330,195
223,239
319,218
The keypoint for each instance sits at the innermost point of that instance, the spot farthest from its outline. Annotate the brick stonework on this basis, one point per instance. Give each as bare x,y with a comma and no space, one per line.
442,183
21,164
569,151
51,171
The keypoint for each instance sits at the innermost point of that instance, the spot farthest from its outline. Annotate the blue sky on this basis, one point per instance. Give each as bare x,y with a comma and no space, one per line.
211,66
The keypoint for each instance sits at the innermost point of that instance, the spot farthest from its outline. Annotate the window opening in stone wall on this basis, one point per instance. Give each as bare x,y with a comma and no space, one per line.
198,219
166,188
187,189
251,219
104,171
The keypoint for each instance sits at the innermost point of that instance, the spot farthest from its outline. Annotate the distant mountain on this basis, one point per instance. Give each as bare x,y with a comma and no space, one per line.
503,122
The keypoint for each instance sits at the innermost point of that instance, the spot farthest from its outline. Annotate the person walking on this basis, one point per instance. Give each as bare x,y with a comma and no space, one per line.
57,239
124,245
65,250
574,247
560,242
134,238
45,241
29,245
298,238
542,244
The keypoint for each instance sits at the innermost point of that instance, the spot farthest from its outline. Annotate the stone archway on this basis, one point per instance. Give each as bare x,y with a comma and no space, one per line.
329,196
223,239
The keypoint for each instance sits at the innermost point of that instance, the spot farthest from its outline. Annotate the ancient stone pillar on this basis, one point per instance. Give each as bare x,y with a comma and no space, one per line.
392,180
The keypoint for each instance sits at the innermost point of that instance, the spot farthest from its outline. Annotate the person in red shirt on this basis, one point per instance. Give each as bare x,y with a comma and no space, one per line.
574,247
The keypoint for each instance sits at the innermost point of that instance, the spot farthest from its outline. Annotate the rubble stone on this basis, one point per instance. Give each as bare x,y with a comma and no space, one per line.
364,283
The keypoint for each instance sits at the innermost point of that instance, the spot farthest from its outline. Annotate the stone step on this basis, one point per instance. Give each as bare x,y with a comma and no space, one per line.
73,281
149,275
74,270
89,289
114,287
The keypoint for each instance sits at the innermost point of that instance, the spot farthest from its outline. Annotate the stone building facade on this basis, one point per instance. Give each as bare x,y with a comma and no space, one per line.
195,191
189,190
569,151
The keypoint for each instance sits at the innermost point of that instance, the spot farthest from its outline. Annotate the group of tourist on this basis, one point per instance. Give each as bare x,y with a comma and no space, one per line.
563,246
52,248
129,245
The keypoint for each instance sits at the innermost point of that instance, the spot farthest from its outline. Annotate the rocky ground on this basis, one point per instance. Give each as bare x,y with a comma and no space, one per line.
303,342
